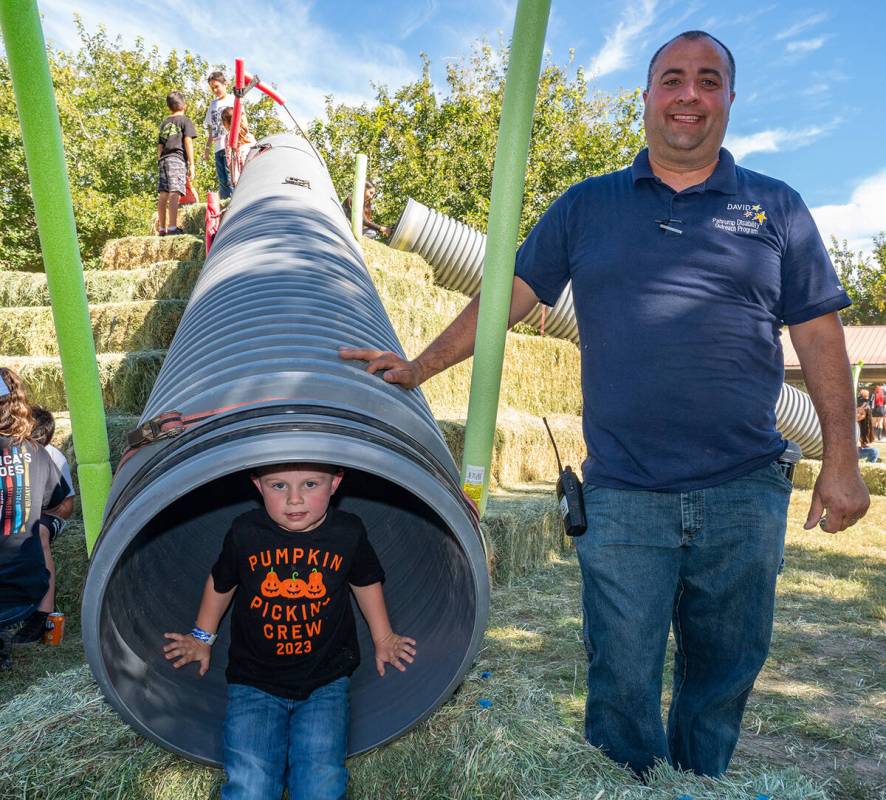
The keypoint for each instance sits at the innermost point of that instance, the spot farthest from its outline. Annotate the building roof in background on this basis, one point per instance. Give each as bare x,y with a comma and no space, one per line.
865,343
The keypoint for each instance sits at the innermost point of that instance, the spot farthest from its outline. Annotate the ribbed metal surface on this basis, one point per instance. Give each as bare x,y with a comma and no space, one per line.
455,252
796,419
285,286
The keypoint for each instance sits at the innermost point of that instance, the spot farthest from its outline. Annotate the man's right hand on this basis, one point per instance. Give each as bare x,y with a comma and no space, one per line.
397,369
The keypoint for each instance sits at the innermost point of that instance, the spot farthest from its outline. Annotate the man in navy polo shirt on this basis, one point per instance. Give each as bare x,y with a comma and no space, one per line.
684,267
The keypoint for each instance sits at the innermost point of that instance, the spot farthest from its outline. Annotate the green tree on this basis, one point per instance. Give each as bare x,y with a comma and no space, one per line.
864,279
111,100
440,149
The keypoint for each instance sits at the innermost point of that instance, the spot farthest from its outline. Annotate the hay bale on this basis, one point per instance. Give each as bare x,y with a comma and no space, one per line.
132,252
23,289
874,476
116,327
126,378
167,280
522,451
524,530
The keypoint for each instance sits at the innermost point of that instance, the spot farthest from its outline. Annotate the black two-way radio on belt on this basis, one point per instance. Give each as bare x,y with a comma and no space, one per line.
569,494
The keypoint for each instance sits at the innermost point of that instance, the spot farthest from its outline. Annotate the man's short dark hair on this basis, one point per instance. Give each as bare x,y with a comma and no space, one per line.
44,425
692,36
217,75
175,101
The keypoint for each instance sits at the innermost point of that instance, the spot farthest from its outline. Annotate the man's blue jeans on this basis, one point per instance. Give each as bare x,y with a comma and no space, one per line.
225,190
705,561
271,742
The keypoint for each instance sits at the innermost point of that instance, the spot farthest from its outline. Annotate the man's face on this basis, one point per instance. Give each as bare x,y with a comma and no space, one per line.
687,103
297,497
218,88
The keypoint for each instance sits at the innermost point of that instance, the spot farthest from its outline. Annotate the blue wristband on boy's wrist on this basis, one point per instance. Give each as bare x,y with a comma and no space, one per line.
203,636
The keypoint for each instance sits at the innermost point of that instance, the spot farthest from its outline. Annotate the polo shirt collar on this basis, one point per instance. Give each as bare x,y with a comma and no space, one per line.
723,179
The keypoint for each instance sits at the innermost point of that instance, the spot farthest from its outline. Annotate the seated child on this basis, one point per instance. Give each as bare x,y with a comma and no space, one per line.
50,524
290,568
29,484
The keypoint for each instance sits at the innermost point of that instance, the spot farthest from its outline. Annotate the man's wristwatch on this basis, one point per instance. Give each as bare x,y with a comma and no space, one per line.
203,636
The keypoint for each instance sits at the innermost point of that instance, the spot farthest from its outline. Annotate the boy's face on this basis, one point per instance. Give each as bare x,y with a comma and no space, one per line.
297,496
218,88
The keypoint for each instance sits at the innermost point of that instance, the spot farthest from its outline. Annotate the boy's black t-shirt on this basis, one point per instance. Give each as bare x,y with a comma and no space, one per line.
292,626
173,129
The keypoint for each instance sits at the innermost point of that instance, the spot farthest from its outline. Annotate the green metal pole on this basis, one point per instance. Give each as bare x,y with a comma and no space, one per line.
42,138
358,194
521,86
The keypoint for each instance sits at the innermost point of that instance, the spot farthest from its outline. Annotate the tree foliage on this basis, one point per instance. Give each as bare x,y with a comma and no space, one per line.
111,100
864,280
440,149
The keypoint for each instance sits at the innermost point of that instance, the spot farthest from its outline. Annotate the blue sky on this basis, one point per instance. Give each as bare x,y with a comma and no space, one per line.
809,106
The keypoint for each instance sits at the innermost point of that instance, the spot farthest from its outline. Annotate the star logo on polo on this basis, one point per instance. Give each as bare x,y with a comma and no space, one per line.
745,218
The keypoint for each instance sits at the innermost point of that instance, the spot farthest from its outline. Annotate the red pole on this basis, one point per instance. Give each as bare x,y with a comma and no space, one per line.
275,96
239,83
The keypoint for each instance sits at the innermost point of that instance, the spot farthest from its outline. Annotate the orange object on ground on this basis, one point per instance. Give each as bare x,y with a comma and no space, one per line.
55,628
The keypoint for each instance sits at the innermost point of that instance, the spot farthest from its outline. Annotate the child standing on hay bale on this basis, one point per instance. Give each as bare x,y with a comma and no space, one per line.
29,484
51,524
175,154
293,639
236,154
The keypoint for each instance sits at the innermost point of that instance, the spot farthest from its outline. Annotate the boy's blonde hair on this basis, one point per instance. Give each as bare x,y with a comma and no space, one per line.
16,420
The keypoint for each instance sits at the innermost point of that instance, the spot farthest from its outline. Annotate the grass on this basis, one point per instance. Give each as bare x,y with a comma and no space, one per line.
813,728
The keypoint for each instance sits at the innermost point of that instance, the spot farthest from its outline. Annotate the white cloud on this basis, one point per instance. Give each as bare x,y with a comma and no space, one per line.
805,45
775,140
859,219
419,15
802,26
619,47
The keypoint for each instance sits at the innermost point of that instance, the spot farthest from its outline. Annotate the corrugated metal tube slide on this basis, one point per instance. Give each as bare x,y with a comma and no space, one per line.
284,286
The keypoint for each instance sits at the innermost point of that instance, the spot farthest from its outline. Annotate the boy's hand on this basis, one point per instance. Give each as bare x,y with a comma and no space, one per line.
394,649
187,649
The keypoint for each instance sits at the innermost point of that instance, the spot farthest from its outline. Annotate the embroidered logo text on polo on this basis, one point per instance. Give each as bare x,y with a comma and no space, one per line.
745,218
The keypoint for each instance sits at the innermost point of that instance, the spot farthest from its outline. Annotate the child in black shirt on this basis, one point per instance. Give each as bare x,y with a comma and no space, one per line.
175,154
290,568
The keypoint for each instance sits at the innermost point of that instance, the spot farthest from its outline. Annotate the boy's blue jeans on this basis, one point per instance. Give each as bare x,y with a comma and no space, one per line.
225,190
271,742
705,562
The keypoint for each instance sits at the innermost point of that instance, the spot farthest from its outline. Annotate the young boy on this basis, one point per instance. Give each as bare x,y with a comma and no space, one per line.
216,136
175,154
290,568
50,524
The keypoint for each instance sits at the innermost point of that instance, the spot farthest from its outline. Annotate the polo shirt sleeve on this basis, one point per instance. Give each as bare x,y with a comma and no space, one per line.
810,287
543,258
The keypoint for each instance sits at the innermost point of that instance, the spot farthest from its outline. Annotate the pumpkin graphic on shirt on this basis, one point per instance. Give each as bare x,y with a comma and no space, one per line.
315,588
270,586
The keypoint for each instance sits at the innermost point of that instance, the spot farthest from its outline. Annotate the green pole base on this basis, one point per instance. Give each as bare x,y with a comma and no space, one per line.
95,484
